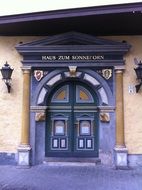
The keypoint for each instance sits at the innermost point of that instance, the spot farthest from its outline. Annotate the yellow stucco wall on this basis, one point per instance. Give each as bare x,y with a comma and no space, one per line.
132,102
11,104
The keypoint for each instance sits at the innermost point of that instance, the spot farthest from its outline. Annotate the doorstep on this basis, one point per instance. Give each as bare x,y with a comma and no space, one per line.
61,161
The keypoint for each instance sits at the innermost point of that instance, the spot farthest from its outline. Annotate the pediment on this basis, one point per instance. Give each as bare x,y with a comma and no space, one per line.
70,38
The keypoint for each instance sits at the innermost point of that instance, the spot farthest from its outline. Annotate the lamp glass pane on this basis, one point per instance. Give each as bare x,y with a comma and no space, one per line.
6,73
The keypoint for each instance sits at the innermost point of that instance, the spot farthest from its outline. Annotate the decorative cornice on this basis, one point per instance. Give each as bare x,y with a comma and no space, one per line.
63,64
106,108
74,48
26,68
38,108
119,69
80,45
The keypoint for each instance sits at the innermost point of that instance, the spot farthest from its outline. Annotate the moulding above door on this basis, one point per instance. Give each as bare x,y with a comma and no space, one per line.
73,47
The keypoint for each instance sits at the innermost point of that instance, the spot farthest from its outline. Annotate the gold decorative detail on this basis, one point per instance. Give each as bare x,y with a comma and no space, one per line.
83,95
40,117
38,74
107,73
61,95
104,117
72,70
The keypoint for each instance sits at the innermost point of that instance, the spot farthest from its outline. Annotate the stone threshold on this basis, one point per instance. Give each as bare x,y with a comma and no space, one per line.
61,161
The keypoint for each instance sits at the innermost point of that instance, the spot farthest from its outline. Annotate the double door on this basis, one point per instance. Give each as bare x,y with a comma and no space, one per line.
72,122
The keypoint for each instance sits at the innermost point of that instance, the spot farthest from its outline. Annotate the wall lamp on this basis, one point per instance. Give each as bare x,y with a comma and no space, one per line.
138,71
6,72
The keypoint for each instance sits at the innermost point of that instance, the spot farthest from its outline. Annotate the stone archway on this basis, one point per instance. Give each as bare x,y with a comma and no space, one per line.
94,79
39,107
53,56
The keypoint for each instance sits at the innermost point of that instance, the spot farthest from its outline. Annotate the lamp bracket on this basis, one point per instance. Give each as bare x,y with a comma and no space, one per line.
6,72
138,86
8,86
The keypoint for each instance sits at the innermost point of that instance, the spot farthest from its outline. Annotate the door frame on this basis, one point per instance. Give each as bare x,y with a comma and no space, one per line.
38,108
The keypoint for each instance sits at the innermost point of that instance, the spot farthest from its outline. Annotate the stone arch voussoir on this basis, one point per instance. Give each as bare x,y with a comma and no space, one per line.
97,82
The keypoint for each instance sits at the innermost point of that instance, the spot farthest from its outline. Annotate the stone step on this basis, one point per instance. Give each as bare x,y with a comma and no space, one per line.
54,161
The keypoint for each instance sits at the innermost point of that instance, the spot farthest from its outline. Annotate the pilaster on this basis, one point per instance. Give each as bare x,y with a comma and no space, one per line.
120,148
24,148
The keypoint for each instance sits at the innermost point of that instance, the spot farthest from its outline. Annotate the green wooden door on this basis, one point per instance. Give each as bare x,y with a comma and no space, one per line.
72,121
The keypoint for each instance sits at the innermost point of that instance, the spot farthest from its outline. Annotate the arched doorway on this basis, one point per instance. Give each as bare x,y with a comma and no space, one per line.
72,121
71,125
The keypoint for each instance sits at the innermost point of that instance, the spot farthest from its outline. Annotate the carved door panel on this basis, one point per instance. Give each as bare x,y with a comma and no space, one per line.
72,122
85,134
59,134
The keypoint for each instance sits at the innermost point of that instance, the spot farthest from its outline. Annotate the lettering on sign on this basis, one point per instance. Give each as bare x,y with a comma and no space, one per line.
71,57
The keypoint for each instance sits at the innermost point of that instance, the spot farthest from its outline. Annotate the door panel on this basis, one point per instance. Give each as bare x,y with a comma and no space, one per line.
59,137
85,134
72,122
58,133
